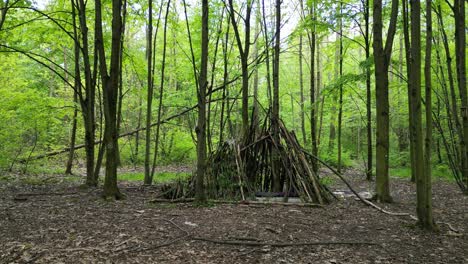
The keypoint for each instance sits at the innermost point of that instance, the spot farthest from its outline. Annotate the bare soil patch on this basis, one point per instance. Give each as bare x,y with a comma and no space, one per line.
62,223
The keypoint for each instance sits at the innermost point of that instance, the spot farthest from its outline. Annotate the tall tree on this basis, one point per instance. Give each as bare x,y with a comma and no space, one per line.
275,115
161,93
244,49
301,80
382,55
201,95
460,51
367,47
149,99
340,74
424,186
406,37
110,84
313,120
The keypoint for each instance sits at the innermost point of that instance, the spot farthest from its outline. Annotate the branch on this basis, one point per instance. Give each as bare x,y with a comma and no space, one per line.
31,56
67,149
55,21
271,244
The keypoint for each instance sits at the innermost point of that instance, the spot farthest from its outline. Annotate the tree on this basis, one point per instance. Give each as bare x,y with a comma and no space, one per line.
423,180
382,55
110,83
149,99
460,47
313,115
244,48
367,47
201,95
275,118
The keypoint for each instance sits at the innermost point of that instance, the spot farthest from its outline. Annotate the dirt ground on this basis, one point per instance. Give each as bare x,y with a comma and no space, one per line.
61,223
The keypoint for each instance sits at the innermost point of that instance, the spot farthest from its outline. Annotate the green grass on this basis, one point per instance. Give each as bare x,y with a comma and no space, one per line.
162,177
438,172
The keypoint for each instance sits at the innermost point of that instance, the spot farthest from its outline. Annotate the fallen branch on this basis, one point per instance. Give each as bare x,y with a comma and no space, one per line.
369,203
362,199
271,244
254,242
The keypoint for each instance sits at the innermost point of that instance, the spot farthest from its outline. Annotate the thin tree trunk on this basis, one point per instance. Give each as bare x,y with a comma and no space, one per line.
301,83
368,92
424,188
201,124
224,102
340,102
149,98
244,55
277,187
161,91
313,121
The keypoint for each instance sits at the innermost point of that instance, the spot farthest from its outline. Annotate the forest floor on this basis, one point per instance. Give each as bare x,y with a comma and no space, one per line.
63,223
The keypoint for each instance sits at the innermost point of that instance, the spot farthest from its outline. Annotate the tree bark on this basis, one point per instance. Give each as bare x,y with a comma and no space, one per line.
244,55
161,91
110,84
149,98
424,186
460,51
340,100
367,45
313,119
277,187
201,95
382,55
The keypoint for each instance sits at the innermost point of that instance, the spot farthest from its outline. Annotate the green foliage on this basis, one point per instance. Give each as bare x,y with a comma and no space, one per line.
32,122
160,177
332,158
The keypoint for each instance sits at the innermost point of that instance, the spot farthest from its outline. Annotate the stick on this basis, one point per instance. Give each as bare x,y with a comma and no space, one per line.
362,199
271,244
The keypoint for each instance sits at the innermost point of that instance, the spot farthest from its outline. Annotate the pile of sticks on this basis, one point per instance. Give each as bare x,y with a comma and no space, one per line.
239,169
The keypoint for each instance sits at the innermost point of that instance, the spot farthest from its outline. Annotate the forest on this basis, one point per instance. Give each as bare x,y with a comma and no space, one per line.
233,131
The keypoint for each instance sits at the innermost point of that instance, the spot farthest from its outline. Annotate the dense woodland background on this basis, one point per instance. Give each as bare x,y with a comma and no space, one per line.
376,86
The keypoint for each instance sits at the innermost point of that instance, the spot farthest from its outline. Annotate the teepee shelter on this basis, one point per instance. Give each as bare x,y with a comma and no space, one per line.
240,170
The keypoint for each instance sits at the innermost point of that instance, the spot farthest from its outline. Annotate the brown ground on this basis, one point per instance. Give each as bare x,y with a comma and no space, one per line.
77,226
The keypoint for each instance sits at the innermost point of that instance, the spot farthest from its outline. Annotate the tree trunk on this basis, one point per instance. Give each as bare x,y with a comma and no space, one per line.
368,92
71,154
460,51
244,55
301,86
382,55
149,99
424,186
161,91
313,120
201,95
275,116
110,84
406,33
340,102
